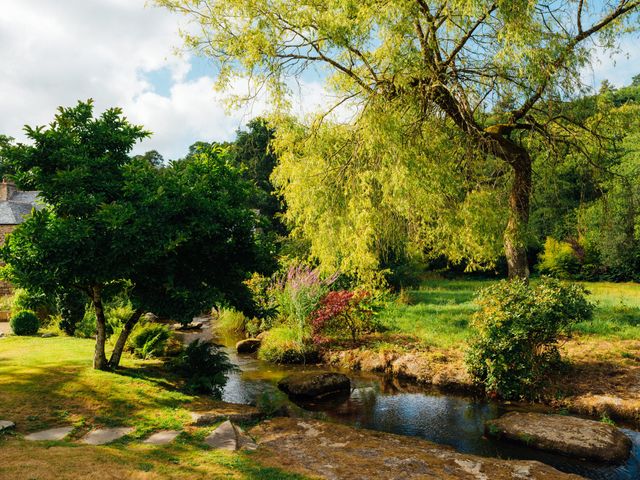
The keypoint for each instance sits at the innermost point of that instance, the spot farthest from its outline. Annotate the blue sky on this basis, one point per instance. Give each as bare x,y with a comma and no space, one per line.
121,53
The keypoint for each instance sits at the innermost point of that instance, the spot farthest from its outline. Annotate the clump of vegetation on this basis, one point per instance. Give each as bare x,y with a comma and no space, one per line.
25,322
559,259
342,312
285,344
231,321
204,366
150,340
517,332
71,307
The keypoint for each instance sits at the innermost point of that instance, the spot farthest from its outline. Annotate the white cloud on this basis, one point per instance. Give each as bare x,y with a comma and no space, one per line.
54,53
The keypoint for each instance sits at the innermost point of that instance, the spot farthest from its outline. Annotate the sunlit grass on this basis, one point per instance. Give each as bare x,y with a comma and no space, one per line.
438,313
49,382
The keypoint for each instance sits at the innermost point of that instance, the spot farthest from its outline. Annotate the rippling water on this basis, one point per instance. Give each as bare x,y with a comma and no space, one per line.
390,406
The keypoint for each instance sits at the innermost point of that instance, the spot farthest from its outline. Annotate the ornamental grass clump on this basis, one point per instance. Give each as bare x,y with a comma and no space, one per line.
517,332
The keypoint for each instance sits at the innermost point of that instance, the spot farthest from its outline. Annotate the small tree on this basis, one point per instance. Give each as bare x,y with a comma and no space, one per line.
179,238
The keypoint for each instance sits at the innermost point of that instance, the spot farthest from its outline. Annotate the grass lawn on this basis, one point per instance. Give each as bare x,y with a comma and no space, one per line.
49,382
438,312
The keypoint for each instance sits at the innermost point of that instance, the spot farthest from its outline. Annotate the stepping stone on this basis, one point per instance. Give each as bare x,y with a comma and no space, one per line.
102,436
230,437
6,425
163,437
51,434
223,438
227,411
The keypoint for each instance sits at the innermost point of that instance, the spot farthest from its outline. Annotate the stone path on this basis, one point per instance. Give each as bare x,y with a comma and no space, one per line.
162,437
6,425
102,436
51,434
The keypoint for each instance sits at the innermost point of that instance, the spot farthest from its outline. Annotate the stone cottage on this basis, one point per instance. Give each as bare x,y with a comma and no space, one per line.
15,205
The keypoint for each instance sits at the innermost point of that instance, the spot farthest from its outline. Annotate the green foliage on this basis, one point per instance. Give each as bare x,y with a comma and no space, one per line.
25,322
71,305
205,367
516,334
558,259
150,340
86,327
285,344
230,320
33,299
177,238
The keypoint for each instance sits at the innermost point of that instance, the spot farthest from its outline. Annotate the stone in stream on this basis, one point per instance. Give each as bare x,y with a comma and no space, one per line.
315,385
248,345
6,425
102,436
229,437
50,434
162,437
563,434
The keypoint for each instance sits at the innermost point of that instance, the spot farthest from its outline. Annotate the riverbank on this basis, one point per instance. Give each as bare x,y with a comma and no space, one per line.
48,382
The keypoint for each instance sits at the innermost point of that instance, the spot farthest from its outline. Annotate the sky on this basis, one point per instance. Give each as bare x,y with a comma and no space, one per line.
123,53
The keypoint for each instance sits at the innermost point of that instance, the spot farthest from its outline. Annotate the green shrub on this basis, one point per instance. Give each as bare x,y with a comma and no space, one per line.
205,366
25,322
285,344
559,259
86,328
150,340
231,321
516,334
39,303
71,307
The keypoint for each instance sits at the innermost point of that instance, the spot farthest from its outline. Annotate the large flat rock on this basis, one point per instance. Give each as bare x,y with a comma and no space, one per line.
563,434
102,436
6,425
50,434
229,437
162,437
314,385
340,452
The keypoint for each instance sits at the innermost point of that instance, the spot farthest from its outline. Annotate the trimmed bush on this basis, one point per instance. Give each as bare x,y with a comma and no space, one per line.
150,341
286,345
25,322
516,334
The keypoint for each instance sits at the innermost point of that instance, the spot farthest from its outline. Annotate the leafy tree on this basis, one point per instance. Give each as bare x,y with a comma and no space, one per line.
431,69
153,157
177,239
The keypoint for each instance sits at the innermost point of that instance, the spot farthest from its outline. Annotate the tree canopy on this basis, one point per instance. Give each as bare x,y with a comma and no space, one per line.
179,238
484,82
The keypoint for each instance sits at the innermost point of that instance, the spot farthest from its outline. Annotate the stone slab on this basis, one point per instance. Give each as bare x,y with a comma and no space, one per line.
563,434
102,436
333,451
223,438
163,437
227,411
6,425
50,434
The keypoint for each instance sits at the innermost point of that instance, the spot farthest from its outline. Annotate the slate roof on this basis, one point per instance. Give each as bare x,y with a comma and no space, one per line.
14,210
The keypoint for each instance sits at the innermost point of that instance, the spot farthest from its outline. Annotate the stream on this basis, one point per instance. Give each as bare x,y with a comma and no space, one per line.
389,405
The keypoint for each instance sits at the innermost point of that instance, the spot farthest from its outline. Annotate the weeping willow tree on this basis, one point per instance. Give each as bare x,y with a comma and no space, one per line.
463,86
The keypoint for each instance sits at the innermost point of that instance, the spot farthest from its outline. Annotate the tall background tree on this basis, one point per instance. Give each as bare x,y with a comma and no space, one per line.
177,239
484,81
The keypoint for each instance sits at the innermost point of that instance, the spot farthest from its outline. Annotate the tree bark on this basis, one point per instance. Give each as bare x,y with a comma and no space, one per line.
515,235
116,355
99,357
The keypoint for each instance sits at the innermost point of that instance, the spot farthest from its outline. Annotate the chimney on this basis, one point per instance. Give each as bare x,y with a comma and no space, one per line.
7,189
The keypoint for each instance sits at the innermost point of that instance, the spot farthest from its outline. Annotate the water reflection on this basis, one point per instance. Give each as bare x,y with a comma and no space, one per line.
389,405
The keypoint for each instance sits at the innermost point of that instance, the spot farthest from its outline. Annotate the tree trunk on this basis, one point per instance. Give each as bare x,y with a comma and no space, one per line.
515,235
99,357
116,355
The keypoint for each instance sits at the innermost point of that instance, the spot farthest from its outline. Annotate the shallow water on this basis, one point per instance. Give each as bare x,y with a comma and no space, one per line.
388,405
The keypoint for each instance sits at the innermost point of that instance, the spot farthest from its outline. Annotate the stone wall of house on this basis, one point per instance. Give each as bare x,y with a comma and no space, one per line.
5,288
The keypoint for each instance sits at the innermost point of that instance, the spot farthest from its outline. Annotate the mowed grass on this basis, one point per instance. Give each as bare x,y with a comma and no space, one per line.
49,382
438,313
